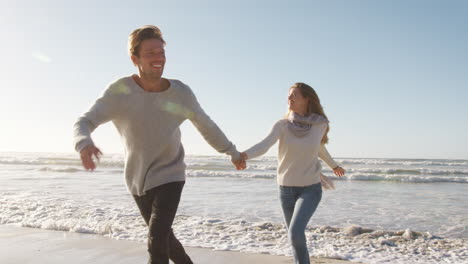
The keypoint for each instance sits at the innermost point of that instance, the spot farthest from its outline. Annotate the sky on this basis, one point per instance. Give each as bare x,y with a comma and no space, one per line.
392,76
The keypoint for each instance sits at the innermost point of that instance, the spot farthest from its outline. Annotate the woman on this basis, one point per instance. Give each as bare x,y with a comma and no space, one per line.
302,135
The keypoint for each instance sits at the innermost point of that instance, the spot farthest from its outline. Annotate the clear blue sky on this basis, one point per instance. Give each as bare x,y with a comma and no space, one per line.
392,75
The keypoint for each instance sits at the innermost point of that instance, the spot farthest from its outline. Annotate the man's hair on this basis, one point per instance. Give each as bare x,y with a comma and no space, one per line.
143,33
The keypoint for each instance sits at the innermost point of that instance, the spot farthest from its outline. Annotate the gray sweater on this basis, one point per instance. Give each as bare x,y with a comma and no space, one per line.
148,123
298,163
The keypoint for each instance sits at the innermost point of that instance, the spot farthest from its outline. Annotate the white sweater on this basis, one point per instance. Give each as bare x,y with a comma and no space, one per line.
148,123
298,163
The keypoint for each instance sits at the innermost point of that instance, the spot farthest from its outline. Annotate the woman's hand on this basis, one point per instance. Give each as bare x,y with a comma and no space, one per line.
339,171
240,164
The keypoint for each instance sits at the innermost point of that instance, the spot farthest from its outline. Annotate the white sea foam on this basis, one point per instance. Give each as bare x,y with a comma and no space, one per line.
60,169
352,243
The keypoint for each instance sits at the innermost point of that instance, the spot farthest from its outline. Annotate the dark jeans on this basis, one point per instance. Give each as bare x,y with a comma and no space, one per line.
158,207
299,204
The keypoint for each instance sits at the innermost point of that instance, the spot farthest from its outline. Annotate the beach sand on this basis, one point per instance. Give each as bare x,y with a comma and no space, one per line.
30,245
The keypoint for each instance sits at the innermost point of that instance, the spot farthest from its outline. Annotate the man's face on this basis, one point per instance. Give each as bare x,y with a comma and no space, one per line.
151,59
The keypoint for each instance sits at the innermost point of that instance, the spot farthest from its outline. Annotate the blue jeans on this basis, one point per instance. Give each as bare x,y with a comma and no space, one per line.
299,204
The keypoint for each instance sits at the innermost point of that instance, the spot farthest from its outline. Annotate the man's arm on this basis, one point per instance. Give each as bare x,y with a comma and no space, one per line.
101,112
211,132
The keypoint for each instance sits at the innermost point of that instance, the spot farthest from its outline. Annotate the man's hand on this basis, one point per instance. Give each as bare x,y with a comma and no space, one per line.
241,163
86,156
339,171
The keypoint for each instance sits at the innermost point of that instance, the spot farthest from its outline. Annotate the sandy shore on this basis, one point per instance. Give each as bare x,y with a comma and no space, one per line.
30,245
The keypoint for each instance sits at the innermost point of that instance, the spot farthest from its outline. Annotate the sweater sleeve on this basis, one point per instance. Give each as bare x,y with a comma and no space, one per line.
263,146
101,112
209,130
326,157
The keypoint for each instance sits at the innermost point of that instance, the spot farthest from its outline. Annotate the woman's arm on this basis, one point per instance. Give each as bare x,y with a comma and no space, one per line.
327,158
263,146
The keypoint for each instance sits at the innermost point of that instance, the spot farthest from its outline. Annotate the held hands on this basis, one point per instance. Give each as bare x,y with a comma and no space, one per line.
241,163
86,156
339,171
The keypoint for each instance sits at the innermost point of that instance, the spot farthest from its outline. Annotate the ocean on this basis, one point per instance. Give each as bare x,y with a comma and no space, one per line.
383,211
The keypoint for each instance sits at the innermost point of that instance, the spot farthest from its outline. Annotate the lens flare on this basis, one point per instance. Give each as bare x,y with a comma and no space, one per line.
120,88
41,57
177,109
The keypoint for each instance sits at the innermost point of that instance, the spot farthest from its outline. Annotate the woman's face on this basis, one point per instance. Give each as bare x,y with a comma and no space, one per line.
297,103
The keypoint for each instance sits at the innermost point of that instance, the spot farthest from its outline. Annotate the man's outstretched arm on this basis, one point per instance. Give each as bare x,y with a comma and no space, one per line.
101,112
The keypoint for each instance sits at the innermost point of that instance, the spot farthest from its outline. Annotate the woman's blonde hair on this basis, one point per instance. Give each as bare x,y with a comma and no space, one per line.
314,105
139,35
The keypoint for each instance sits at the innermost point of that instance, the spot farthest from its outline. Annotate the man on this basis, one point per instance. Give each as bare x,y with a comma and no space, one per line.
147,111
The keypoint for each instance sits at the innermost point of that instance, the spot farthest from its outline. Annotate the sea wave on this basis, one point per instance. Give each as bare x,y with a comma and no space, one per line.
58,162
402,178
229,174
266,162
404,162
350,176
359,175
395,170
414,171
389,175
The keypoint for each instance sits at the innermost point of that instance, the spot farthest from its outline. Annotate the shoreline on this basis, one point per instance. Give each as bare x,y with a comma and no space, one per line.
32,245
